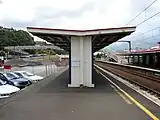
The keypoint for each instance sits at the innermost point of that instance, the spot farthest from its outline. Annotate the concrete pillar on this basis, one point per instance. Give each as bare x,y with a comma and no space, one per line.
150,60
144,59
81,62
133,59
87,52
69,82
138,62
147,60
158,60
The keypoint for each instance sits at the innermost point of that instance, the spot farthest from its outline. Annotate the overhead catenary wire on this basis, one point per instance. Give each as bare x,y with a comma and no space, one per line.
153,36
145,20
148,18
141,12
151,30
150,37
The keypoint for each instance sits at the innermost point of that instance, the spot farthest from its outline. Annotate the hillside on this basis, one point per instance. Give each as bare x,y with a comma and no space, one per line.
12,37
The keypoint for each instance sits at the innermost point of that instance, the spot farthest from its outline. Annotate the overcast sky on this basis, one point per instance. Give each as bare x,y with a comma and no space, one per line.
79,14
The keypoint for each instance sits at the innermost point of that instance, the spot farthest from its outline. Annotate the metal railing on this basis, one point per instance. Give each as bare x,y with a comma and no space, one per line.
119,59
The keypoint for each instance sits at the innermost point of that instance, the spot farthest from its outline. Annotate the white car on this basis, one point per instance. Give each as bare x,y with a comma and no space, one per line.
7,90
30,76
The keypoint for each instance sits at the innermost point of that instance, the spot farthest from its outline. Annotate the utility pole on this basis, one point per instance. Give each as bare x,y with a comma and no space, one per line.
129,48
129,43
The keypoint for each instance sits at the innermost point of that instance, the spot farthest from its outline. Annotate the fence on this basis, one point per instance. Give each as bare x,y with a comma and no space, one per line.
41,70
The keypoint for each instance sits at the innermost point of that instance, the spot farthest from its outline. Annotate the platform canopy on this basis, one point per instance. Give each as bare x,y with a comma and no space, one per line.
100,37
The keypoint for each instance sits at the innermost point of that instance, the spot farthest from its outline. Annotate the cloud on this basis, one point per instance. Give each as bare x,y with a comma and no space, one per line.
82,14
45,12
149,38
45,18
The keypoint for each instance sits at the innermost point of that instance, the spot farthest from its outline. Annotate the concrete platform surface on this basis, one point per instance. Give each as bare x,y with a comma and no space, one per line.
52,100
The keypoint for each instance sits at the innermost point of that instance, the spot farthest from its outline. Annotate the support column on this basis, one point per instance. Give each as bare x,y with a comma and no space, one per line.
69,82
138,59
87,57
133,59
81,61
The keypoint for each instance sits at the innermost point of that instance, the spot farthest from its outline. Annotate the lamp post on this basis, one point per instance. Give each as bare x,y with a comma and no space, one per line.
129,47
129,43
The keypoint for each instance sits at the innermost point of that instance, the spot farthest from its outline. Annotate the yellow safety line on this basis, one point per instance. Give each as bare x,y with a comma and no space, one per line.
132,99
122,96
141,107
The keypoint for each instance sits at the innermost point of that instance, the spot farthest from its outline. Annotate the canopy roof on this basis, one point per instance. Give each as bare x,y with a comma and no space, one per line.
100,37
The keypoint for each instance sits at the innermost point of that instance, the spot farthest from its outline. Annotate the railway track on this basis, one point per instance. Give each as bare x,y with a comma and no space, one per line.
145,81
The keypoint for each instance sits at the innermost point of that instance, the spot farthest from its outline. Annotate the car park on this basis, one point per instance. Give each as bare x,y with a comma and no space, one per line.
30,76
13,80
33,63
6,90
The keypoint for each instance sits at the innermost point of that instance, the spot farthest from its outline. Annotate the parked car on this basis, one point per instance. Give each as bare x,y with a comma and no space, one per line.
12,75
6,90
30,76
14,80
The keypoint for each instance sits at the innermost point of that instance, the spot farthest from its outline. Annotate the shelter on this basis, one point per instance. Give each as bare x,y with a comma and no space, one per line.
81,45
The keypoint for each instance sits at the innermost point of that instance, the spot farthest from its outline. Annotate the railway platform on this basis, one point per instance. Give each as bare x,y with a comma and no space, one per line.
51,99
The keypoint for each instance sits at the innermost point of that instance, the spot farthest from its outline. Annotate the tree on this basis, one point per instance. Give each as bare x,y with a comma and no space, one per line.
12,37
98,55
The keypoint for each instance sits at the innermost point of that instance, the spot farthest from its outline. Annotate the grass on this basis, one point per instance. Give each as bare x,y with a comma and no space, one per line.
46,58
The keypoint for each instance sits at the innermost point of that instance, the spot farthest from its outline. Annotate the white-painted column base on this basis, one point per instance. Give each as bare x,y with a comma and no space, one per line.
71,85
90,85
